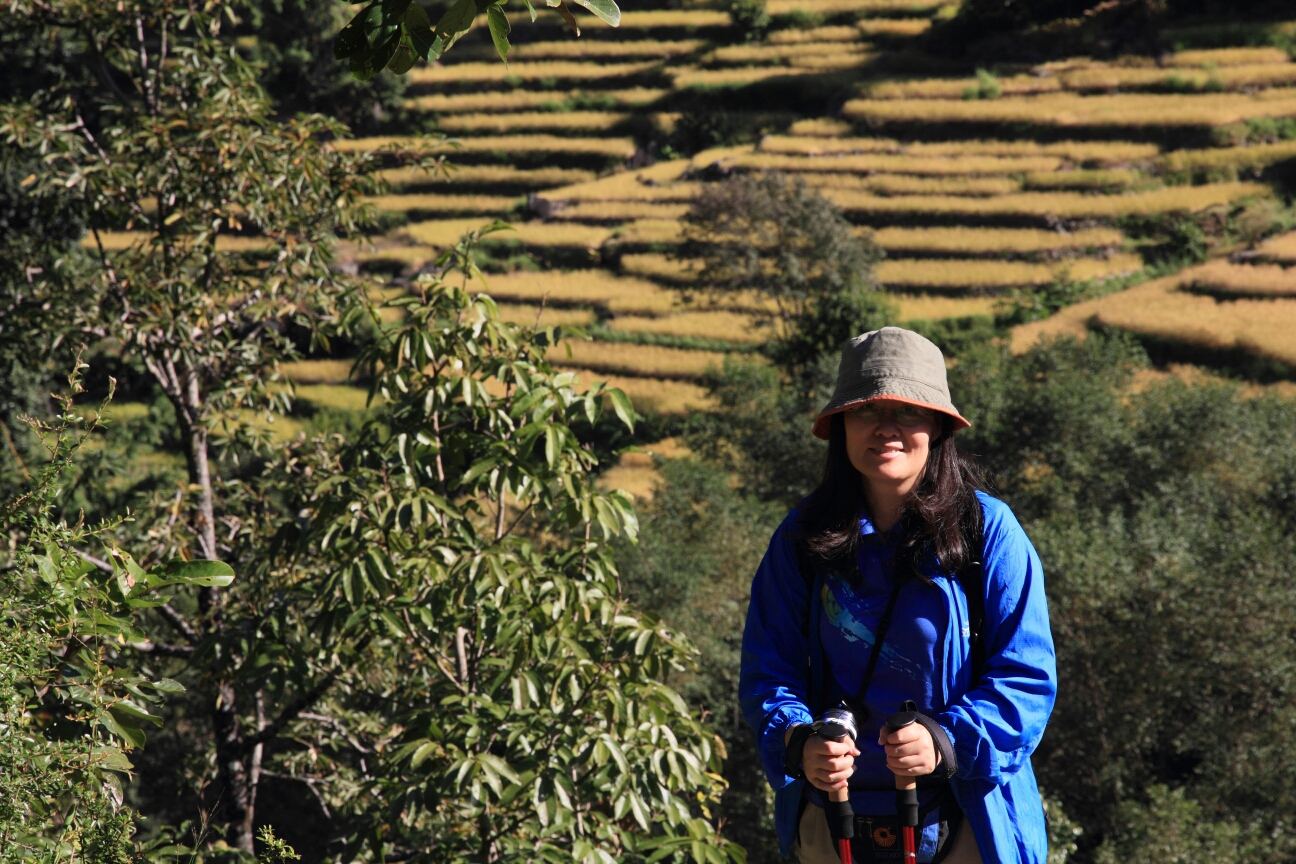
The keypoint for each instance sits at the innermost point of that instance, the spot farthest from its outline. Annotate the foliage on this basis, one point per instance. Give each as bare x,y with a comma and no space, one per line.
290,43
1165,525
987,87
776,236
700,541
394,34
72,706
509,700
750,19
173,139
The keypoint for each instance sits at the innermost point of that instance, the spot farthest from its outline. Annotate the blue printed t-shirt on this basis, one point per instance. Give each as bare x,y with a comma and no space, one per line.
907,666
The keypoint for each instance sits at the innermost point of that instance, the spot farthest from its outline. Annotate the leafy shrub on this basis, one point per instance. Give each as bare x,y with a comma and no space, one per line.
778,237
750,19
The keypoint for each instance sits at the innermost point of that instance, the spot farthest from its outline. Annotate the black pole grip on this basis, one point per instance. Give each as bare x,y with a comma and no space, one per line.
907,807
841,819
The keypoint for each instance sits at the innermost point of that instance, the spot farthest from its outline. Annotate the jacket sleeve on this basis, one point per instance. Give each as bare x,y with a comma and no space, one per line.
999,720
772,686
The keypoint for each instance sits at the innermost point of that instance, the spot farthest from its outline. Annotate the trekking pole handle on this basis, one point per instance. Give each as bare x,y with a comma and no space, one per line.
906,786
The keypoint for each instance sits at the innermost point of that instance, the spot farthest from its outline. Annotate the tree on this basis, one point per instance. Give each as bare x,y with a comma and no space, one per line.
1165,522
72,709
779,239
510,701
395,34
161,135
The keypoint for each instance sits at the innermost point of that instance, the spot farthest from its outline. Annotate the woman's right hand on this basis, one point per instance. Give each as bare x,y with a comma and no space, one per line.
827,763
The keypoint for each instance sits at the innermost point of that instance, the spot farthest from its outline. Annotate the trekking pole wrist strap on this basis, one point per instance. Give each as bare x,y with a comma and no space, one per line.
795,751
948,763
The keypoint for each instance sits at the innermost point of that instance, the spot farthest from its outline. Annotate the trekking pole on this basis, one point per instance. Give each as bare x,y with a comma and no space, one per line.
906,787
837,724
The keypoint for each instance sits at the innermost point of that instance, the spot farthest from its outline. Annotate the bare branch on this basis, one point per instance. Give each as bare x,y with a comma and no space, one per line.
176,620
162,649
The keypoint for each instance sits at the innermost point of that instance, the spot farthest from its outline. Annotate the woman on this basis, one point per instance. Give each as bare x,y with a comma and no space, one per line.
898,522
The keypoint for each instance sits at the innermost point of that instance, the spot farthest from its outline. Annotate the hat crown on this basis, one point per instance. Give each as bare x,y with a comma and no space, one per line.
890,363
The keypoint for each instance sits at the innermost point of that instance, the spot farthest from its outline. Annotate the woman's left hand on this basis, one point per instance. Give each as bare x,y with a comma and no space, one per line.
910,751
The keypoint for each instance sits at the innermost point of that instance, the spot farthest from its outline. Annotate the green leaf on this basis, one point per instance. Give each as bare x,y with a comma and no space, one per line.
166,685
567,15
457,18
123,728
531,9
403,59
352,39
422,753
604,9
200,572
419,29
551,445
499,30
622,406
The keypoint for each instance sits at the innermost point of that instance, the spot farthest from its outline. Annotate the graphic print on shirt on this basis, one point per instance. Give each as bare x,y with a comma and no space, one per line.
838,598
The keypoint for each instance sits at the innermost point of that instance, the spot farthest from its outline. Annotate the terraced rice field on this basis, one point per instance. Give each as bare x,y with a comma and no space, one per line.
971,198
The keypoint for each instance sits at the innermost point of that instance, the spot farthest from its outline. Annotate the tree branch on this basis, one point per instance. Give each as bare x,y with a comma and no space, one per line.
163,650
176,620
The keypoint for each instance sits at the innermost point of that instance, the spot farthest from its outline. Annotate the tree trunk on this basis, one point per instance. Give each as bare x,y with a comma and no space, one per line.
237,787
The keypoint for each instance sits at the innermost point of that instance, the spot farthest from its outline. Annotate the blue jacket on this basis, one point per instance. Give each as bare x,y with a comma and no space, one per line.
994,723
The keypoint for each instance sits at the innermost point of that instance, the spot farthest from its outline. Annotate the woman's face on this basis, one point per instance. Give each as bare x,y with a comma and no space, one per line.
888,441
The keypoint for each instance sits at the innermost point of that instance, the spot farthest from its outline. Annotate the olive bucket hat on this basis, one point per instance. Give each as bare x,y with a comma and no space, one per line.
891,363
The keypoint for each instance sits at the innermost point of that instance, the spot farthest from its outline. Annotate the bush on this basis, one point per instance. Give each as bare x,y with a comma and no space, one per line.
750,19
777,237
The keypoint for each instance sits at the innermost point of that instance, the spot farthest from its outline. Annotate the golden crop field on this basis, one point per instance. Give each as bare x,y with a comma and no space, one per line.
1065,205
739,54
729,326
652,18
730,77
654,265
520,100
1097,179
908,184
1070,109
526,315
650,231
1231,78
1280,249
977,274
619,211
954,88
891,163
577,121
618,294
341,397
816,145
446,232
831,7
440,203
1254,157
654,361
1229,57
1221,277
814,34
1161,309
458,73
993,241
613,147
1262,327
1085,152
653,395
589,49
641,185
318,371
934,307
399,177
823,126
894,26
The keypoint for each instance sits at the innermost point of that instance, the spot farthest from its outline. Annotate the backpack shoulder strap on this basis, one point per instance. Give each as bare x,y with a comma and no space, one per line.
974,587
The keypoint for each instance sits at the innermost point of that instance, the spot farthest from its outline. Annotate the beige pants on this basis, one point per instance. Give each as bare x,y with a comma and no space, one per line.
815,845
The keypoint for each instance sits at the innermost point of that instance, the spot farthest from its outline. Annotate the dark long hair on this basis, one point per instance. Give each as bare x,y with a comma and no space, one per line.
941,516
